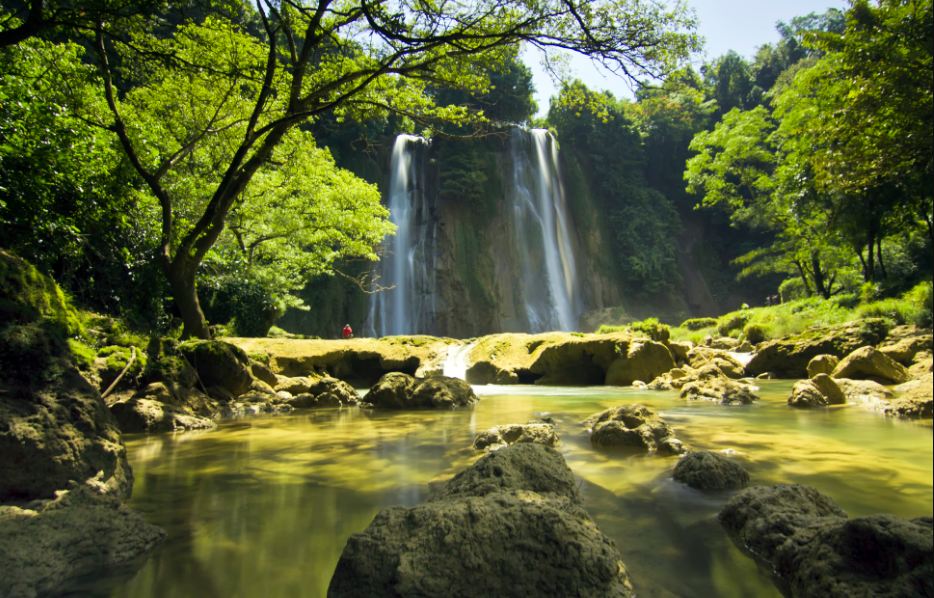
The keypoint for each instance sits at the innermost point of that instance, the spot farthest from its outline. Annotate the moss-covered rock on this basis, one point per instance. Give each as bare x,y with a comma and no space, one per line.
813,549
111,361
500,436
788,358
721,390
27,295
219,364
819,391
578,360
705,470
868,363
401,391
644,360
79,533
510,525
633,426
822,364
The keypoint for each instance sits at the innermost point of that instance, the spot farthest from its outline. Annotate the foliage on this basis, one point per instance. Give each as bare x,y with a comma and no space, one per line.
642,222
755,333
698,323
65,200
652,328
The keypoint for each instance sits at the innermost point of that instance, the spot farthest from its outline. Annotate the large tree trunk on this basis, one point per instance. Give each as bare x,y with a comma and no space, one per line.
181,275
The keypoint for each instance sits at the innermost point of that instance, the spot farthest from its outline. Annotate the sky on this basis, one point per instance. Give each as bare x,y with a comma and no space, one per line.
740,25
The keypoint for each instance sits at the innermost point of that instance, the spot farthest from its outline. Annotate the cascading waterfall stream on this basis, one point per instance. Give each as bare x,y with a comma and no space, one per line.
408,263
543,239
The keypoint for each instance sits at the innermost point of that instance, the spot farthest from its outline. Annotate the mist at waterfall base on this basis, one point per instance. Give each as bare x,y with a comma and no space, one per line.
545,288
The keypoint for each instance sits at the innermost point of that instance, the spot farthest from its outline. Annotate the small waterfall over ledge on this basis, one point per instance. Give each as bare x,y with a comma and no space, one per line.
548,285
408,263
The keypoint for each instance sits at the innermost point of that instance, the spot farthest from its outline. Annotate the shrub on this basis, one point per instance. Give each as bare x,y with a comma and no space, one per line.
756,333
698,323
791,289
732,322
922,297
652,328
609,329
872,331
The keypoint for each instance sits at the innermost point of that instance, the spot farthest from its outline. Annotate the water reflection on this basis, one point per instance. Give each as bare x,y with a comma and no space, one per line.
263,507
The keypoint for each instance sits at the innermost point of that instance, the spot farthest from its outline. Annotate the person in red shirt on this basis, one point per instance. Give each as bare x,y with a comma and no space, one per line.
347,332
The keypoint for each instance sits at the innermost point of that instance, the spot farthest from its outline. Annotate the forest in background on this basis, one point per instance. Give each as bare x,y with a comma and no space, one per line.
806,171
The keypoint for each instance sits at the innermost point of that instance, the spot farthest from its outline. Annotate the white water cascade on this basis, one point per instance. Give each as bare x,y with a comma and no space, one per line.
548,280
408,263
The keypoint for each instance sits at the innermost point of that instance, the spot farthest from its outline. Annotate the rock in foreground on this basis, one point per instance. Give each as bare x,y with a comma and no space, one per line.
78,533
510,525
705,470
819,391
633,426
815,550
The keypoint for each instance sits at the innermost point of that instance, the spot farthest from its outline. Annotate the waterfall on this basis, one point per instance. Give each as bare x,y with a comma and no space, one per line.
408,261
548,276
457,360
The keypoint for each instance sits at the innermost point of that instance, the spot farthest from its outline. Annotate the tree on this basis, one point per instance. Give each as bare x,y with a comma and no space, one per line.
214,94
863,114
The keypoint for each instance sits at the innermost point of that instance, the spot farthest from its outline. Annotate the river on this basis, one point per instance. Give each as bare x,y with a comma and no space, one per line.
263,506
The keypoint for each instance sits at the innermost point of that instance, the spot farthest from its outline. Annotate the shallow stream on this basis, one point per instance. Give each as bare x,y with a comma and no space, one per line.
263,506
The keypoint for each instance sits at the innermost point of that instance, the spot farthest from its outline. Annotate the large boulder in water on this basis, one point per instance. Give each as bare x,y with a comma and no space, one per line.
819,391
815,550
325,391
79,533
219,365
643,361
705,470
868,363
510,525
914,399
633,426
396,390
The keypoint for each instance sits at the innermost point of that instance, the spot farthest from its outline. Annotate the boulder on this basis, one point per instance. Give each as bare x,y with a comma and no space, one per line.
721,390
579,360
868,363
391,391
219,364
863,391
79,533
679,350
643,361
922,364
396,390
500,436
700,357
510,525
294,385
633,426
54,427
819,391
487,372
705,470
141,414
442,392
913,399
813,549
324,391
262,372
822,364
789,357
904,342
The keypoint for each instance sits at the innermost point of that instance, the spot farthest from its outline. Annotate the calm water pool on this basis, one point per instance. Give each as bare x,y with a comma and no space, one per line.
263,506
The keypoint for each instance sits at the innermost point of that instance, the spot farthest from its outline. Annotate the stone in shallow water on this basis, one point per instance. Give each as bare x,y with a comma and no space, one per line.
815,550
500,436
819,391
396,390
510,525
633,426
705,470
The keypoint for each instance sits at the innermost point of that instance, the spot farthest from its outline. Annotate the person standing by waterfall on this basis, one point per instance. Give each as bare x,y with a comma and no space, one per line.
347,332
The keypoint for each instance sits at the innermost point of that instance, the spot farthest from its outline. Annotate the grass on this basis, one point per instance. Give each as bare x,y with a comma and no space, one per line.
795,317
